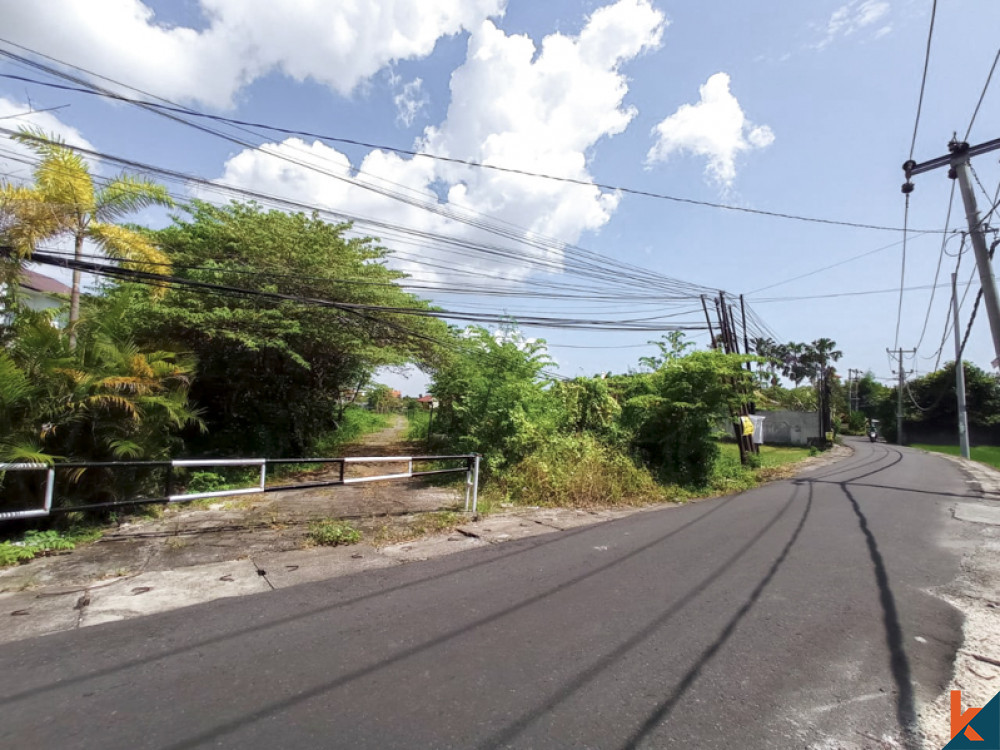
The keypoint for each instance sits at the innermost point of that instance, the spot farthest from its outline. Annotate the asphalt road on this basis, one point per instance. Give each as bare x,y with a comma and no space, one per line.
795,615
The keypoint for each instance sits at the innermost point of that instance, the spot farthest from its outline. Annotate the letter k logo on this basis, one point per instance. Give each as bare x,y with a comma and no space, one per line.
959,720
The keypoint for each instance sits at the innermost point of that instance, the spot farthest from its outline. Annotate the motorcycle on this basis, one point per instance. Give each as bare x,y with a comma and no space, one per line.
872,435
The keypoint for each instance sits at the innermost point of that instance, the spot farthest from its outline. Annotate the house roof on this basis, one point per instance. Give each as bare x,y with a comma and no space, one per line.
425,399
40,283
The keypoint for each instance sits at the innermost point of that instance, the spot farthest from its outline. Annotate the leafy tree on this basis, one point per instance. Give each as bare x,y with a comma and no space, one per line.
674,420
931,399
65,201
493,398
381,398
270,374
671,345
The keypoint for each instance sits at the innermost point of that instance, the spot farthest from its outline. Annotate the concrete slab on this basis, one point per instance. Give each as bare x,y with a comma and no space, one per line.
285,569
978,513
28,614
432,546
162,590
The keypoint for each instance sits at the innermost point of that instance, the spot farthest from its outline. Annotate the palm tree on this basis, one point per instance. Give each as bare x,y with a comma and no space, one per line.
66,200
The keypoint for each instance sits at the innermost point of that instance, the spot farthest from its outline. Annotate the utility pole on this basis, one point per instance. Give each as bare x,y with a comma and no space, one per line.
963,422
958,160
853,376
899,400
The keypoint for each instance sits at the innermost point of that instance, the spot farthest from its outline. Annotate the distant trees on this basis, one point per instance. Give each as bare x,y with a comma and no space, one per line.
800,361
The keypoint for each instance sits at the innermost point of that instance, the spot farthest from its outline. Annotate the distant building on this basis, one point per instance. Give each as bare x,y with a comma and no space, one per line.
39,292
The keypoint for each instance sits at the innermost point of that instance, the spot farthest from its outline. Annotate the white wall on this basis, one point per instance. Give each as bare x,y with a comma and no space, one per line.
790,427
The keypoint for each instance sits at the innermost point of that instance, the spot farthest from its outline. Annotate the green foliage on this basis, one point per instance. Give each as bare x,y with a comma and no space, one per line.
36,543
857,422
274,376
986,454
206,481
106,400
673,420
353,425
577,471
671,345
382,399
493,398
330,533
588,405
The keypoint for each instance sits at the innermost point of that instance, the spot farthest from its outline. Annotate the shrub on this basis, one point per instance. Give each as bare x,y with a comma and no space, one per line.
578,471
36,543
333,534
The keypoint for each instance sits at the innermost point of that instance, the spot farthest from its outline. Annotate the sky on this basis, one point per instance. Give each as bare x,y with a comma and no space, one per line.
802,109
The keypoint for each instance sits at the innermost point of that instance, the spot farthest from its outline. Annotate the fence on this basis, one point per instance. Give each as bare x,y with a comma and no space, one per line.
470,469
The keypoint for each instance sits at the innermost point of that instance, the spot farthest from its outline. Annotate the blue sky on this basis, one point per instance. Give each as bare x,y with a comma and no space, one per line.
802,108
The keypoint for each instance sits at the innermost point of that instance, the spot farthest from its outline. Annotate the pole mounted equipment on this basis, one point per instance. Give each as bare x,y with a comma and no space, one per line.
959,167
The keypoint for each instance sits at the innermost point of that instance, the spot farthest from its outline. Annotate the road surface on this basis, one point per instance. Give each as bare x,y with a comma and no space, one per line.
796,615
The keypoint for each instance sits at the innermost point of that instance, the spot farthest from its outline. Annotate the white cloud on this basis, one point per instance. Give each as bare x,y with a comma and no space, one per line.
14,115
410,102
716,128
854,16
339,44
512,104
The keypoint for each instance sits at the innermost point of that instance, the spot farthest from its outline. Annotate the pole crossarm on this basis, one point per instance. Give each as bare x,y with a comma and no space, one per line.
958,150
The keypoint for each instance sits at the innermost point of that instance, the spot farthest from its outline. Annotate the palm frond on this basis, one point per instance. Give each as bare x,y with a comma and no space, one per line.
127,194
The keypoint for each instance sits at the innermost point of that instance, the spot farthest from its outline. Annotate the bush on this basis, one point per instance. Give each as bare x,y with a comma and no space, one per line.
577,471
333,534
206,481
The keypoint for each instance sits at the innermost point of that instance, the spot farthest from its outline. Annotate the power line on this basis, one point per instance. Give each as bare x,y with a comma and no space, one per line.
174,109
986,85
834,265
937,271
902,271
923,83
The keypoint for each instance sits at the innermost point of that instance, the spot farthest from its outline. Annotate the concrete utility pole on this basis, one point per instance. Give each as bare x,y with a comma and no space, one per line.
899,399
963,422
958,160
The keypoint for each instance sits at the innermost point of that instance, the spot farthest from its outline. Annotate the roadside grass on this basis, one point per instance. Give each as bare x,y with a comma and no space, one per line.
771,456
985,454
417,422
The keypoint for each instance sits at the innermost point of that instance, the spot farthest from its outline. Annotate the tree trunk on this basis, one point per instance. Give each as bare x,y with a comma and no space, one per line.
74,297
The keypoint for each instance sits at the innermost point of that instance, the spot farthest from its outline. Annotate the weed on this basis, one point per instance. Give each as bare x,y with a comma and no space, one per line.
330,533
36,543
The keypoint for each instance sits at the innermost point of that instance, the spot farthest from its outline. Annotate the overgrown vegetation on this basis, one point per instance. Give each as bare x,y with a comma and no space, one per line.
37,543
330,533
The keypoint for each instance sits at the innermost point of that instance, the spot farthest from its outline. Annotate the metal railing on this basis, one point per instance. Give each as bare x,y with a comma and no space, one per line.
470,469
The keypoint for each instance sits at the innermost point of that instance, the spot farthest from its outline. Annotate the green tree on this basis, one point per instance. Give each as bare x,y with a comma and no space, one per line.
66,201
271,373
493,397
674,420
